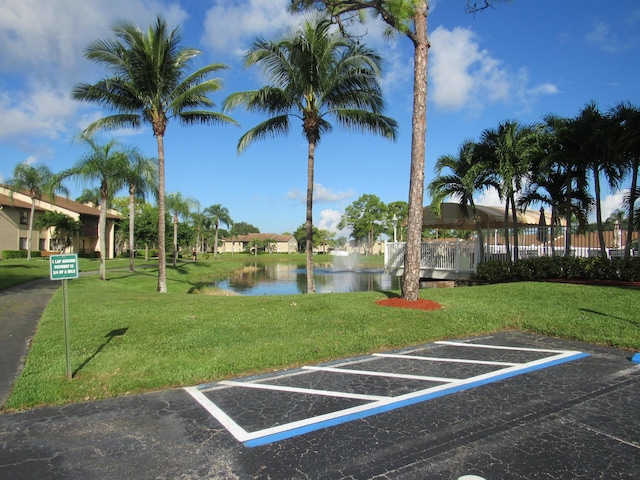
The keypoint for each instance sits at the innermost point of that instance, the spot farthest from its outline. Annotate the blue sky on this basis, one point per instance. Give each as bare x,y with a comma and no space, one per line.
519,61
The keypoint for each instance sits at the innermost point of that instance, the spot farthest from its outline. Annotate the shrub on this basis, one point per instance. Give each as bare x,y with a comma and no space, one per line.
543,268
7,254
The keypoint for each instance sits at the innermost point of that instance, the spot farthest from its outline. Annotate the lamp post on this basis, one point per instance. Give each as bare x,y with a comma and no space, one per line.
394,220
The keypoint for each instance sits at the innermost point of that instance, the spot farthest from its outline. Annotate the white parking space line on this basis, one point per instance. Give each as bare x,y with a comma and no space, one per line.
450,360
375,404
384,374
497,347
310,391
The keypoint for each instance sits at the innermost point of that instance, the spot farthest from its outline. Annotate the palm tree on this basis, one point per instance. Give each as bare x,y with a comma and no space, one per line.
149,83
142,178
38,180
315,74
409,18
108,165
218,214
179,206
64,227
506,152
461,183
628,117
595,136
557,160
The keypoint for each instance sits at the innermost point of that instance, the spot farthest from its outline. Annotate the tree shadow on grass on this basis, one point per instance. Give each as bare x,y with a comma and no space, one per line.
588,310
389,293
118,332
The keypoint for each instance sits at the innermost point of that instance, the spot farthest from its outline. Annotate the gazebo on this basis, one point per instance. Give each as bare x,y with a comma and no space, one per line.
455,217
447,259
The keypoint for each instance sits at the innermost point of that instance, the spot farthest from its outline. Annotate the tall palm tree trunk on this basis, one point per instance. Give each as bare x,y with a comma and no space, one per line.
514,219
102,227
162,259
215,245
596,188
507,241
632,201
175,241
132,205
567,231
311,283
411,279
30,234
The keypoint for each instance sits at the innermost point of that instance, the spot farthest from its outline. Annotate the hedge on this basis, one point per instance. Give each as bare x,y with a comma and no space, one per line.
7,254
572,268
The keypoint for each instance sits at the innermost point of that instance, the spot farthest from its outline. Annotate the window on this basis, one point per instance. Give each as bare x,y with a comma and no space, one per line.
23,243
24,217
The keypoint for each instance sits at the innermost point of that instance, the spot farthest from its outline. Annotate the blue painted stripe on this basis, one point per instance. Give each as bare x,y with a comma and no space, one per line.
294,432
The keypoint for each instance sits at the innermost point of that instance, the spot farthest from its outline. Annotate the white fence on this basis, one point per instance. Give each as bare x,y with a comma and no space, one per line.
459,259
440,260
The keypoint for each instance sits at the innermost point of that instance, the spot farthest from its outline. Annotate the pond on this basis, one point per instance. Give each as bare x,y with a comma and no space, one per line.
287,279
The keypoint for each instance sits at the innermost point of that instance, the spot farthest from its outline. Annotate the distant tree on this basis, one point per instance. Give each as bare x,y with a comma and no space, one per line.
147,227
319,236
244,228
106,164
315,74
37,180
64,227
366,217
180,207
150,83
89,195
218,214
142,180
398,210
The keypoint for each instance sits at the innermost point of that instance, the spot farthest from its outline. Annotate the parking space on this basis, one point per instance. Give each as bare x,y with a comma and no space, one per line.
266,409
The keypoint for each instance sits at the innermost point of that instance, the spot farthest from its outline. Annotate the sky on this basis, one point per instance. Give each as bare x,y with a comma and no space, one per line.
518,61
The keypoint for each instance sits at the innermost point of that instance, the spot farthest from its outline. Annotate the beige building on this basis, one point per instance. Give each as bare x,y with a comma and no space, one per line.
273,243
14,224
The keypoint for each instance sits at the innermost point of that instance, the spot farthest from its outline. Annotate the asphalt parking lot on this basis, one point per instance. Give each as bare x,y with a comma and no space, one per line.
506,406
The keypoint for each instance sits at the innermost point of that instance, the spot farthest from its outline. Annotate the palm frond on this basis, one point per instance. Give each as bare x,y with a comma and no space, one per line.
269,128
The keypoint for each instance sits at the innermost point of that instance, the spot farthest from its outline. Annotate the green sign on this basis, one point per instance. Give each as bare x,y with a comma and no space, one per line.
63,266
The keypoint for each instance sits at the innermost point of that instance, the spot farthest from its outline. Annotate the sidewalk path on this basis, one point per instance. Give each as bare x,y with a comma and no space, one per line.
21,307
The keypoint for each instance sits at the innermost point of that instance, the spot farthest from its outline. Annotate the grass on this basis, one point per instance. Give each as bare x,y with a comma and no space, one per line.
126,338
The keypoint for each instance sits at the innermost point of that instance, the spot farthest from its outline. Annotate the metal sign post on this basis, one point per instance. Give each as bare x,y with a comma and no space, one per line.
63,267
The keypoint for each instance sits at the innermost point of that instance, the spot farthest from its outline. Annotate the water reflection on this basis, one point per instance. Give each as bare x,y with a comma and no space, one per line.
288,279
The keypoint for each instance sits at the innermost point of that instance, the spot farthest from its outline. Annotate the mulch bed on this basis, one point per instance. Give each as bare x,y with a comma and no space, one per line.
420,304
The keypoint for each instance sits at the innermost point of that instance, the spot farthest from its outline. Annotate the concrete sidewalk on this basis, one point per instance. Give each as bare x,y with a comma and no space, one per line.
21,307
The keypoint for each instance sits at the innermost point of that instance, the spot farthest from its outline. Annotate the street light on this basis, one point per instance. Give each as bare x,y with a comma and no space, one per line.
395,224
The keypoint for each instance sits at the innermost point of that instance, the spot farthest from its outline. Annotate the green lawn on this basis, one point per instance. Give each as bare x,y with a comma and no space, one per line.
126,338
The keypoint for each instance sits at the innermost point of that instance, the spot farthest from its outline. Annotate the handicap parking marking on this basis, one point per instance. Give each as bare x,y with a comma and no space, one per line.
354,406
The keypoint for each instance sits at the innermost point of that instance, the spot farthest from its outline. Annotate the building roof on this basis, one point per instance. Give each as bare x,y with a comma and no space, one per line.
274,237
452,216
60,201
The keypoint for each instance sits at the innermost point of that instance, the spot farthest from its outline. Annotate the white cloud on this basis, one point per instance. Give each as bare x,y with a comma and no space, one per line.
603,38
229,27
321,194
42,44
465,76
43,112
46,34
489,198
329,220
612,202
